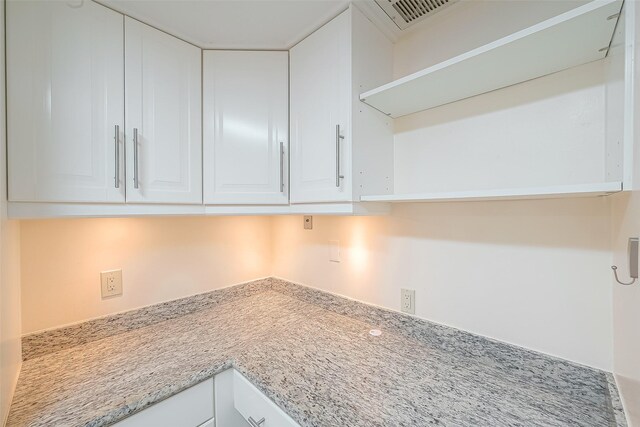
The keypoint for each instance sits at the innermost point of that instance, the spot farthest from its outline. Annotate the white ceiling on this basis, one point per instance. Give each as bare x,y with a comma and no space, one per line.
234,24
280,24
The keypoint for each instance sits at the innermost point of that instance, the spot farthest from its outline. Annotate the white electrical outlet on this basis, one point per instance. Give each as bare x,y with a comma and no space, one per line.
408,301
111,283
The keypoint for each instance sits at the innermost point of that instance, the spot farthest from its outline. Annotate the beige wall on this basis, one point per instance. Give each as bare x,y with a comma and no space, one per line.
10,350
161,259
532,273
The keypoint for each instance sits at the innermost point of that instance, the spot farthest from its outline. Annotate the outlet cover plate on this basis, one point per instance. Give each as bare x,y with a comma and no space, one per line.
408,301
308,222
111,283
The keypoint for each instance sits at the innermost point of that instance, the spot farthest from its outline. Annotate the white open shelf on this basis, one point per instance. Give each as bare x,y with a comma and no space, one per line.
560,191
573,38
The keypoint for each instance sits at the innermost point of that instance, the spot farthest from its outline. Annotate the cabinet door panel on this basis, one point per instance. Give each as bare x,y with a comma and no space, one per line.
163,92
320,99
192,407
245,127
65,94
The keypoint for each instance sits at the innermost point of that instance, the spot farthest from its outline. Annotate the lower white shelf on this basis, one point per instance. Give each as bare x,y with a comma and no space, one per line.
554,192
32,210
26,210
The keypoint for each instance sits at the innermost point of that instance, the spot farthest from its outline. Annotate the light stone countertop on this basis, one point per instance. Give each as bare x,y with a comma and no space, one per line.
312,354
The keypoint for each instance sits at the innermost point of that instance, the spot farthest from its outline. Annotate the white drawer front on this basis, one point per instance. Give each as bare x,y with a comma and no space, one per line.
251,403
190,408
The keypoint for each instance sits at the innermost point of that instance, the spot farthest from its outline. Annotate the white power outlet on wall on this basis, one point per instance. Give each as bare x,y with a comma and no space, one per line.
111,283
408,301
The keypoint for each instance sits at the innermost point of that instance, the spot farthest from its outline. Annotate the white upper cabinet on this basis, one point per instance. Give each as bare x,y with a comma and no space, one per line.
105,118
340,147
65,90
246,127
163,117
320,70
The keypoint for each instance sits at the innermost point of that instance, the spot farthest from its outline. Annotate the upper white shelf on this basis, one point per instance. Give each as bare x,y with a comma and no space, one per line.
573,38
560,191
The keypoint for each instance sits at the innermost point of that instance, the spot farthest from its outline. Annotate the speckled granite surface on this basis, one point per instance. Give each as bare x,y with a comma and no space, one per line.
311,353
41,343
616,403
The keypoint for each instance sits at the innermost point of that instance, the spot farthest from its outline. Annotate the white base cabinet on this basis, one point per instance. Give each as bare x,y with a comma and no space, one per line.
240,404
246,127
226,413
192,407
237,403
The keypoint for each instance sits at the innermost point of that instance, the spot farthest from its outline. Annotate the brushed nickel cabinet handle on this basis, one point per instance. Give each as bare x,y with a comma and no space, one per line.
281,167
338,138
255,423
135,158
117,154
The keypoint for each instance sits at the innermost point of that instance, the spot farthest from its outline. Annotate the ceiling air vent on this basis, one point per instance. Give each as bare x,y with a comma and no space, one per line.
405,13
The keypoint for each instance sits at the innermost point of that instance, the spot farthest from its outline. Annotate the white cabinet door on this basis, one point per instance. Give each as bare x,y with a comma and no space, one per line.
320,101
163,116
237,401
192,407
254,405
226,413
65,90
246,127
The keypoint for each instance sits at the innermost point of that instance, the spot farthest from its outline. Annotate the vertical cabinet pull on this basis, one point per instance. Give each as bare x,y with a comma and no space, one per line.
135,158
281,167
116,138
338,138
